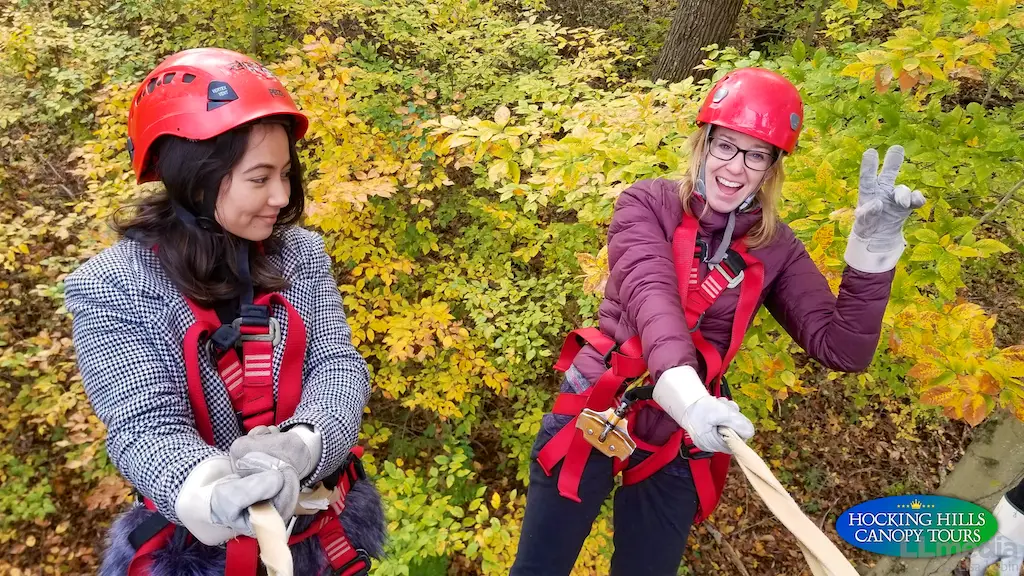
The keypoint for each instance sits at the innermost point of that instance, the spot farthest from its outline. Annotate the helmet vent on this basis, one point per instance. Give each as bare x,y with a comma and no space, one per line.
168,77
188,78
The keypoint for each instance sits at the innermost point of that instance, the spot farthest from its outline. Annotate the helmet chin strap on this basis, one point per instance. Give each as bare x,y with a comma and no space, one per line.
210,225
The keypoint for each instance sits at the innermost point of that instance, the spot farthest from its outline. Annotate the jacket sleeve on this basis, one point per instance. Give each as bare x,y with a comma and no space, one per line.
336,379
640,261
842,333
151,431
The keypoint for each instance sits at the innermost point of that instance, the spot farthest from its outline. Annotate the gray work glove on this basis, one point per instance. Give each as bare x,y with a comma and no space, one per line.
876,241
1007,547
683,396
288,446
265,478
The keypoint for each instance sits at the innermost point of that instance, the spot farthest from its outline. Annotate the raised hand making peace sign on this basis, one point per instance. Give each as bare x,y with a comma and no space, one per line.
876,241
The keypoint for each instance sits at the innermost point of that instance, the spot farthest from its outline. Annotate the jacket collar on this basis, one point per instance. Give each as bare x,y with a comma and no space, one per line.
713,223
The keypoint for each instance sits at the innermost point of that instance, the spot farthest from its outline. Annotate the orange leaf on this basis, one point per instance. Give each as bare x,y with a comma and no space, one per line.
975,409
924,371
883,76
937,395
988,385
907,81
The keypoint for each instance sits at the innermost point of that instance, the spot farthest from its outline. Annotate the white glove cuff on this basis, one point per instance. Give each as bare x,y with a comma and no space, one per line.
677,389
1011,521
193,503
314,442
858,256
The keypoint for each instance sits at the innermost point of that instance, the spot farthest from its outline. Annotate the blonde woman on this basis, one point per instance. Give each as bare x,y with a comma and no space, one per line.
690,263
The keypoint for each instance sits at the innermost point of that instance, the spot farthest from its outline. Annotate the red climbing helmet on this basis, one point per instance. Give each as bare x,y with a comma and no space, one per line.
198,94
756,102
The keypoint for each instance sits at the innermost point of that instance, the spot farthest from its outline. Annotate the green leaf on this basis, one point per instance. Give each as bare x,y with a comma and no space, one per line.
962,225
989,246
799,50
926,235
926,252
948,267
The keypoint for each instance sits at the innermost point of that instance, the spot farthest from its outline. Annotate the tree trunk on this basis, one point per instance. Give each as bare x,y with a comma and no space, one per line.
696,23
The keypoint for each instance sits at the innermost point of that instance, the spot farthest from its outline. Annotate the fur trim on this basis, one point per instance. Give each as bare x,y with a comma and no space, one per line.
362,518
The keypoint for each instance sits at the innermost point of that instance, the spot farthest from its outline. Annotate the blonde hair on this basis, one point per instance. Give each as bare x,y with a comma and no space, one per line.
768,196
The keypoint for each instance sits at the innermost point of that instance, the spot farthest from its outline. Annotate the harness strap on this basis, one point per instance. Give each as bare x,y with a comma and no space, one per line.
250,384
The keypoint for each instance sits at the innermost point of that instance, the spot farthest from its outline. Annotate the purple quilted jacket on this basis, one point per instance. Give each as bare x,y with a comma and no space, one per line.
642,297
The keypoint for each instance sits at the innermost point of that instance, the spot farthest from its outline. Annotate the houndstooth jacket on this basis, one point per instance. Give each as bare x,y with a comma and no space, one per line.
129,323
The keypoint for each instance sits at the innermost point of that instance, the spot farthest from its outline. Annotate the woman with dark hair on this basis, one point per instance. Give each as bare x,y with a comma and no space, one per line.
213,343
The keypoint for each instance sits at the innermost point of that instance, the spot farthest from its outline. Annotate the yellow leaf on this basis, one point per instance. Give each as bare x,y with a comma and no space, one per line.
891,3
1018,408
502,115
873,57
851,4
937,395
451,122
30,541
824,236
981,336
855,69
1011,360
495,501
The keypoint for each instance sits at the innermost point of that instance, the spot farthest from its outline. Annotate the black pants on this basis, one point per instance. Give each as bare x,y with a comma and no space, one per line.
651,519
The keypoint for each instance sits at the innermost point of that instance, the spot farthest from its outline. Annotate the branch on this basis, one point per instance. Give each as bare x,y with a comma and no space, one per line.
994,85
729,550
1002,202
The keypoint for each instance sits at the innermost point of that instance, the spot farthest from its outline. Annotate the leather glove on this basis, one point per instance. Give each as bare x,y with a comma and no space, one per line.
683,396
231,498
213,501
876,241
296,447
1007,547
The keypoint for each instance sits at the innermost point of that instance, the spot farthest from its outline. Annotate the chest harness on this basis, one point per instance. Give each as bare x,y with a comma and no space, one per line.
601,412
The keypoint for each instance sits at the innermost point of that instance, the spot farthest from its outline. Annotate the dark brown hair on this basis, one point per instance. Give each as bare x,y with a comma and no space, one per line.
202,263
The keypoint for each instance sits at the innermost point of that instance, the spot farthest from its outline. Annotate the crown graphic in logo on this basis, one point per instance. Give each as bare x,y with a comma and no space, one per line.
915,504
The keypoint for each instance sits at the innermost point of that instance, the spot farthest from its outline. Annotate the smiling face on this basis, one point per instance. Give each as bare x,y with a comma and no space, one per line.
730,182
258,187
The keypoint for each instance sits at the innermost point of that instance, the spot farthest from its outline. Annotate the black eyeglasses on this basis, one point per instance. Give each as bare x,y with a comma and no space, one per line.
754,159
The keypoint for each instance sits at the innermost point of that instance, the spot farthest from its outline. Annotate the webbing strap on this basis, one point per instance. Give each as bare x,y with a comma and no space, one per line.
249,381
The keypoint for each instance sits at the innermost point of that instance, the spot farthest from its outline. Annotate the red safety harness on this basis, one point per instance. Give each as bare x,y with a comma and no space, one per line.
625,364
250,386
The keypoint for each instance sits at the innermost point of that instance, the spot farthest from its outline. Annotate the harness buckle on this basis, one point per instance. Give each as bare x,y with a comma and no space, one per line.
733,280
273,335
700,250
361,557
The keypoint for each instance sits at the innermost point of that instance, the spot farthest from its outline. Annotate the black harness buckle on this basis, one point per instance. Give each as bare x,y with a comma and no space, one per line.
361,557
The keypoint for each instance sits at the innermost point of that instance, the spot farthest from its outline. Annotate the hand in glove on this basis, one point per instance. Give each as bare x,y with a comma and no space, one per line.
681,393
213,502
300,447
1006,547
261,477
876,241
